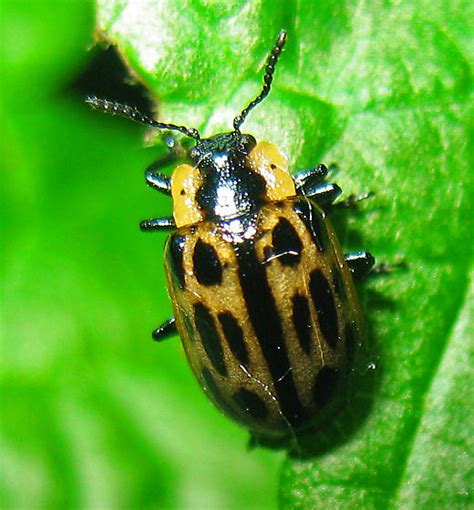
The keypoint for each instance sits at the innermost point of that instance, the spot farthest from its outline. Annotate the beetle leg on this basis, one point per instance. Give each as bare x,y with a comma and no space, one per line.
324,194
165,223
309,177
352,200
156,179
333,168
385,268
165,330
360,263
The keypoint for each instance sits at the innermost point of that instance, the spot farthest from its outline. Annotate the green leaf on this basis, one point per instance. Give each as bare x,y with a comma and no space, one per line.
443,439
93,416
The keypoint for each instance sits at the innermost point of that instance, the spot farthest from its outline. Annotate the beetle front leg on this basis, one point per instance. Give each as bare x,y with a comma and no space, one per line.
156,179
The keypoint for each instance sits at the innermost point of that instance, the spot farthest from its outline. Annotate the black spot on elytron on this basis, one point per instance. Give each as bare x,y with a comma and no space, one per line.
351,346
325,385
302,321
314,222
206,264
176,250
251,403
325,305
213,389
210,337
287,244
339,286
235,337
266,322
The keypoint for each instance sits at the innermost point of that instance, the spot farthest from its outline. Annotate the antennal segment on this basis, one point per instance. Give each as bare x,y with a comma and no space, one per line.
267,79
132,113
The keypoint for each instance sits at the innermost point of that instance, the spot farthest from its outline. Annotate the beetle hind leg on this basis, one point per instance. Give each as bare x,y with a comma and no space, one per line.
165,330
360,264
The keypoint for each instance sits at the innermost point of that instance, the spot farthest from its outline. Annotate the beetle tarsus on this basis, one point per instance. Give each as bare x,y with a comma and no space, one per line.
308,178
165,223
165,330
323,194
352,200
360,263
157,180
385,268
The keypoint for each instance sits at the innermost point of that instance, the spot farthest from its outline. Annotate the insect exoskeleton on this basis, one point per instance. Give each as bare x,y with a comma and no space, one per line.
262,293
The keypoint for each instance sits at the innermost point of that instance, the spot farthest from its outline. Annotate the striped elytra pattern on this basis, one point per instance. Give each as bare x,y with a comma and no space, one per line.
267,313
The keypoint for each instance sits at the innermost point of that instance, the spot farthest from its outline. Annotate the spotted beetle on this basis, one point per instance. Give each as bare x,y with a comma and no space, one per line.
263,297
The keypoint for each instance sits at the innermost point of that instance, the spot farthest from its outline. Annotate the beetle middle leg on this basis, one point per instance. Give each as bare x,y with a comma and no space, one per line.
165,330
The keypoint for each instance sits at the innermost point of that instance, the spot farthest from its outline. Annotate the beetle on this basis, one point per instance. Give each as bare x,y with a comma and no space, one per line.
263,296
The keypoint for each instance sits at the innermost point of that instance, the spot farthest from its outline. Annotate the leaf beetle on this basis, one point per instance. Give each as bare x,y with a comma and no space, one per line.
263,296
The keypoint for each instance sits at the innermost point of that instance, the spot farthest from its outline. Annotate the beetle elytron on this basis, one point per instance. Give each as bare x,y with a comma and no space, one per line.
262,294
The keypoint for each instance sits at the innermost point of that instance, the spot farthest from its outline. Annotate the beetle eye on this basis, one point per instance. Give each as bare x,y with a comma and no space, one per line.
248,142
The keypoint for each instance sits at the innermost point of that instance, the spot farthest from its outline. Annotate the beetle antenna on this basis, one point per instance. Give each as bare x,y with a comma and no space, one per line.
132,113
267,79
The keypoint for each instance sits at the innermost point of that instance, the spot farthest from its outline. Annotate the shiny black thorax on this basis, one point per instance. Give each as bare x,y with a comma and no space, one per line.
230,187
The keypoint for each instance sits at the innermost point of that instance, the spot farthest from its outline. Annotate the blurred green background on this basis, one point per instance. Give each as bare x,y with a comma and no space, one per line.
93,414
